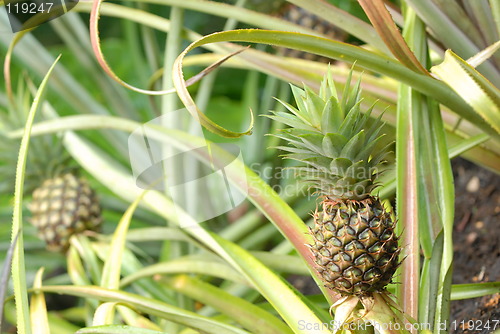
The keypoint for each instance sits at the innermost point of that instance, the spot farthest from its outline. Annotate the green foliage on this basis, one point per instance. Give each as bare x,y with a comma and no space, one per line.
149,273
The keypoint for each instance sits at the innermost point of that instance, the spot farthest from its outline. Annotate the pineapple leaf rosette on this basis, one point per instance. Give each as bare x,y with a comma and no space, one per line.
355,246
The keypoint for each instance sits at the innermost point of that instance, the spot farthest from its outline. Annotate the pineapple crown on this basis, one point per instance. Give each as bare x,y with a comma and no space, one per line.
334,141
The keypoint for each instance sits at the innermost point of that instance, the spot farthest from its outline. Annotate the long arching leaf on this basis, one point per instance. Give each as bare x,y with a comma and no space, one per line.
18,268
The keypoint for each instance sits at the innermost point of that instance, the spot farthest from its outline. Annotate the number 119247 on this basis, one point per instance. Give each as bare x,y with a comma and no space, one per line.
28,8
476,325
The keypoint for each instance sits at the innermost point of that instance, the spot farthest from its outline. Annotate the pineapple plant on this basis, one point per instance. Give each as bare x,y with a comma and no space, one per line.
62,204
355,246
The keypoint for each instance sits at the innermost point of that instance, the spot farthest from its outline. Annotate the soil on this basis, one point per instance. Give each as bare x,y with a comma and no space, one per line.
477,245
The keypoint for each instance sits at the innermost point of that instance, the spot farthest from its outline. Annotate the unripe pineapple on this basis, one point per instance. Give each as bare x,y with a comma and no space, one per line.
303,18
62,203
355,246
64,206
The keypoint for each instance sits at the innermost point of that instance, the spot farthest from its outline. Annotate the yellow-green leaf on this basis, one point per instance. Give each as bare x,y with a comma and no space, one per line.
38,308
18,268
104,314
112,266
473,87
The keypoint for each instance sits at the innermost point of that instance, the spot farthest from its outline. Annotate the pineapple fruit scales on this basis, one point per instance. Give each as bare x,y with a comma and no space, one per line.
64,206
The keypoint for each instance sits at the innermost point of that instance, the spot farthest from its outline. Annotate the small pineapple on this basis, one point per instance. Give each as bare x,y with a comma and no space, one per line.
303,18
63,206
62,203
355,246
